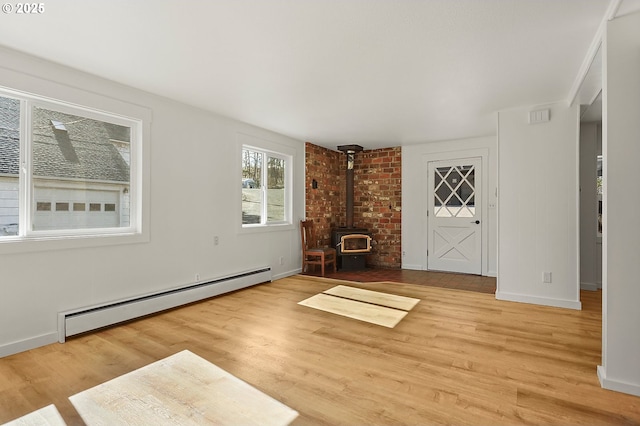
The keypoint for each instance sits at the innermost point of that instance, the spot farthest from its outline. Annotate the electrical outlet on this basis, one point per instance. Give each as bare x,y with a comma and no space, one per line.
197,277
546,277
216,240
281,260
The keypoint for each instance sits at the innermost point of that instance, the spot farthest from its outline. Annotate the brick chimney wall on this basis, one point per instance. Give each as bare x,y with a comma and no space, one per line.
324,204
377,198
378,203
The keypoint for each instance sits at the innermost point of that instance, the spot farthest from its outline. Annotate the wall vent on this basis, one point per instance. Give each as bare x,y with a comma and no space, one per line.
539,116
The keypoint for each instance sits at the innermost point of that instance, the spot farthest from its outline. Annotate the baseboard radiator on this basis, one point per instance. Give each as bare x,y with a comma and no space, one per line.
79,321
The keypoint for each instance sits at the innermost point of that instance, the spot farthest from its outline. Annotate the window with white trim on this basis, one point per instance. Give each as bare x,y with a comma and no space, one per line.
59,164
266,184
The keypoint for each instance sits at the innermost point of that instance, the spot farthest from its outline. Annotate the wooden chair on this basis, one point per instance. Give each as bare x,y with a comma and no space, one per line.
312,255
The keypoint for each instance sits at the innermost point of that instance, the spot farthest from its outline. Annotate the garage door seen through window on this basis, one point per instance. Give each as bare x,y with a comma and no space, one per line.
77,169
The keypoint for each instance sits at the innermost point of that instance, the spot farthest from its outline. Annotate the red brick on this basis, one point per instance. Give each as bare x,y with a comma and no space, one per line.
377,179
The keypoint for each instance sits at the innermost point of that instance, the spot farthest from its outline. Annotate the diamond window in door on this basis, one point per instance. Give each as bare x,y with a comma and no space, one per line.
454,191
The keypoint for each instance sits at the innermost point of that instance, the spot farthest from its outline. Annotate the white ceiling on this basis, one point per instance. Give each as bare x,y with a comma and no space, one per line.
378,73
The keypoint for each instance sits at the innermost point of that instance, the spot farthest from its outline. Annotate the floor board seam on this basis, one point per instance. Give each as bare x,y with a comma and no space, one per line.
362,301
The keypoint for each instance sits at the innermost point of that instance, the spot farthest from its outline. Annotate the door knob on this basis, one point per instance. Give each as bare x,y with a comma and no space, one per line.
477,222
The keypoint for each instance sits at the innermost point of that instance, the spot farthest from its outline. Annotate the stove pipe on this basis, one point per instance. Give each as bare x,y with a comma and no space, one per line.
350,151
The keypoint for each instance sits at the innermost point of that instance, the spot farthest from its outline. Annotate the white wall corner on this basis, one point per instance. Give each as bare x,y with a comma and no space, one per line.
28,344
617,385
535,300
286,274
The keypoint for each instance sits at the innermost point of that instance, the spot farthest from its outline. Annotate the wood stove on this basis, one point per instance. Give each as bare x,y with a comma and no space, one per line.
355,243
352,244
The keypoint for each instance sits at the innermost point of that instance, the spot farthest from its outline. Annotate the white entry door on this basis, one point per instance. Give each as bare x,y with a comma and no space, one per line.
454,213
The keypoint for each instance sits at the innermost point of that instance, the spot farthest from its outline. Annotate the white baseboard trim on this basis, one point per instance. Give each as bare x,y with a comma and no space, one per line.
535,300
614,385
419,268
412,267
589,286
286,274
28,344
93,317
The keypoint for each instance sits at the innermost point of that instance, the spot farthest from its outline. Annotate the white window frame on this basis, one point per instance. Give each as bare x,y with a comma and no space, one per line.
288,189
29,240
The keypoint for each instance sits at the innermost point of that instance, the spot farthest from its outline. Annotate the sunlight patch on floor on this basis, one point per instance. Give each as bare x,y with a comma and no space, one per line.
374,307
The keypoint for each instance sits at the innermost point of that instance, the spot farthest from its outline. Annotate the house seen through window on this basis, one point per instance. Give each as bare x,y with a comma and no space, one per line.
264,187
70,172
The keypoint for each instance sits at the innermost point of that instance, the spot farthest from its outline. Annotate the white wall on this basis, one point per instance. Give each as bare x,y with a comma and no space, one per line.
195,192
414,197
589,278
538,207
620,369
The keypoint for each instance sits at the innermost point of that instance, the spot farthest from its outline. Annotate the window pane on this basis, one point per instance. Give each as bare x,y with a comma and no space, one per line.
275,189
9,165
264,187
454,191
79,160
43,207
251,192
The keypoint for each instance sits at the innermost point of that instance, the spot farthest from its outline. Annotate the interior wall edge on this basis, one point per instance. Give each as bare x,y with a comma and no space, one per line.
28,344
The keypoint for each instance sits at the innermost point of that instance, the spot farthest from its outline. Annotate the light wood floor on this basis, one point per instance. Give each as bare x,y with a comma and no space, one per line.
458,357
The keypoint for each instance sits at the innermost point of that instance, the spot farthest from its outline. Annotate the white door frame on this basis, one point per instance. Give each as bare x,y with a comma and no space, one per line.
483,153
